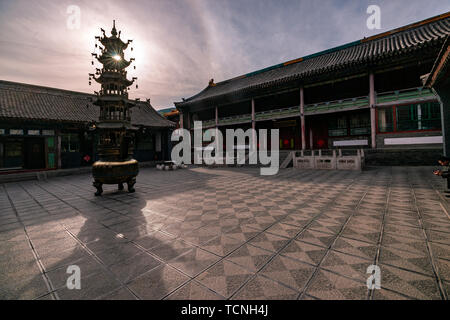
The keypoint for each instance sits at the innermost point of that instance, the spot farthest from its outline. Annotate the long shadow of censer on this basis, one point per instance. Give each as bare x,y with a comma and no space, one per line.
115,148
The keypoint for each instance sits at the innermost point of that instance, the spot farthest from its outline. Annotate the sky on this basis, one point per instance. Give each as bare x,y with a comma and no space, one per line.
179,45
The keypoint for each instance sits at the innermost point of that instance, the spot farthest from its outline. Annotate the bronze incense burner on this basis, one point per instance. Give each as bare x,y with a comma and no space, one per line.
116,134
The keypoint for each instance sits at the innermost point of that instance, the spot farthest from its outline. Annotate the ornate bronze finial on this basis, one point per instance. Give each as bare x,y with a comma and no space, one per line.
114,31
211,83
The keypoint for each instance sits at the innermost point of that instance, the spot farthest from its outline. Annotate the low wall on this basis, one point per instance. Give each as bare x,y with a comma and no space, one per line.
329,159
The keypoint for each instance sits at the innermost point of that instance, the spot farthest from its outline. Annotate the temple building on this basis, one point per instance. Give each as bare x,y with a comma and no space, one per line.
49,128
439,80
364,94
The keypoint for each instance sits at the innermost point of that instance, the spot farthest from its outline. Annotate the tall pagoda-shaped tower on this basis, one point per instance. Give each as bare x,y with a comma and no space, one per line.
115,147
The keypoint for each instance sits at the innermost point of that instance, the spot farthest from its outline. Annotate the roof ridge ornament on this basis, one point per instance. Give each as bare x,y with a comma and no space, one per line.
211,83
114,30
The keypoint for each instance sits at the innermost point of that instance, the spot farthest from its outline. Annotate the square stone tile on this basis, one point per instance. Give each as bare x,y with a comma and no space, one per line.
201,236
284,230
169,250
404,231
404,243
403,220
410,284
153,239
444,269
441,250
224,278
243,233
92,287
157,283
355,247
222,245
438,237
260,223
261,288
290,272
330,286
194,291
384,294
353,232
178,228
418,261
250,257
305,252
53,260
118,253
298,220
437,224
88,267
269,241
279,224
446,285
23,288
133,267
317,238
325,225
194,261
120,294
347,265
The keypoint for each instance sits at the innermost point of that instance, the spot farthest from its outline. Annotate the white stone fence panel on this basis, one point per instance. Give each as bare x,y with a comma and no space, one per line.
329,159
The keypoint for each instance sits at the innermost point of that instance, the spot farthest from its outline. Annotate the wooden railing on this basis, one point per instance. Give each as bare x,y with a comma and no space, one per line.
324,107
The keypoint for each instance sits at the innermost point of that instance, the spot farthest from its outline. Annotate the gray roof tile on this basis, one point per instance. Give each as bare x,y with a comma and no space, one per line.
30,102
397,42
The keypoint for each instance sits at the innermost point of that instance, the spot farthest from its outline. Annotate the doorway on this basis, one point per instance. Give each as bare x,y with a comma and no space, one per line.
35,153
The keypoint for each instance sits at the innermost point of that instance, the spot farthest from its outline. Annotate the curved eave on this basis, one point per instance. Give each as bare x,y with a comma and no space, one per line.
366,62
113,41
110,63
109,99
106,79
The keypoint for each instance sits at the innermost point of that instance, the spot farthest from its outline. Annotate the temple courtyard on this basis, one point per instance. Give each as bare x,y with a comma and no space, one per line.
228,233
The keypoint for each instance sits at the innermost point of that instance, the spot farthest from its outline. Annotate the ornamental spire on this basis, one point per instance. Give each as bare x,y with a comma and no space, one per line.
114,31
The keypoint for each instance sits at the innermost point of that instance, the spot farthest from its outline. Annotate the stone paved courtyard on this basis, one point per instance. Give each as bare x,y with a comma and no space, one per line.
206,233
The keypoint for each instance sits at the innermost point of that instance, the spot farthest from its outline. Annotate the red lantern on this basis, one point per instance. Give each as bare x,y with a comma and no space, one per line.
320,143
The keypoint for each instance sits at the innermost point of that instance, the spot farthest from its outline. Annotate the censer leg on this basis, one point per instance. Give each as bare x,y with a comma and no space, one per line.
98,185
131,184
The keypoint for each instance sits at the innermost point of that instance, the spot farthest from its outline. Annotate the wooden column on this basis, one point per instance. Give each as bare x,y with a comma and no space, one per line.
253,125
58,149
188,121
217,117
302,117
372,101
181,120
217,129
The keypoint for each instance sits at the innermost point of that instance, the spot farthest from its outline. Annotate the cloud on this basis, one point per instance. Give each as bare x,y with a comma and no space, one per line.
181,44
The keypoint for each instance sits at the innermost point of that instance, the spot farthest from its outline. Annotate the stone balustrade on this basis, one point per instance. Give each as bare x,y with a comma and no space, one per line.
329,159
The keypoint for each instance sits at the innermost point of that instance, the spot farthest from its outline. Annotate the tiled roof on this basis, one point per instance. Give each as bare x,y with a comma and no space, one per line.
440,66
30,102
388,45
